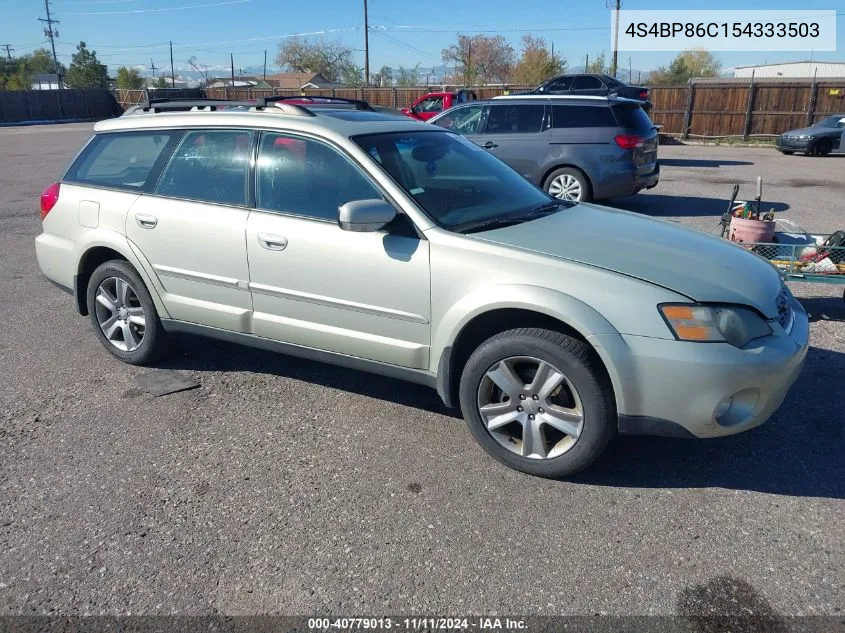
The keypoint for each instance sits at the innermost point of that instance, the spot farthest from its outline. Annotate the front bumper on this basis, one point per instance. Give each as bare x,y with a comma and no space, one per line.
793,145
676,388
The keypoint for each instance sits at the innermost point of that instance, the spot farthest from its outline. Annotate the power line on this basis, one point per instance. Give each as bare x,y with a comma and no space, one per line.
159,10
52,33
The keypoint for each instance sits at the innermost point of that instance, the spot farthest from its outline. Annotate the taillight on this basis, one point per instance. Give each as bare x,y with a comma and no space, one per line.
49,199
629,141
643,94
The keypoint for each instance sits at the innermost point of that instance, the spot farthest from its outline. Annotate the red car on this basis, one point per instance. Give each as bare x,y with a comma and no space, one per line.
435,102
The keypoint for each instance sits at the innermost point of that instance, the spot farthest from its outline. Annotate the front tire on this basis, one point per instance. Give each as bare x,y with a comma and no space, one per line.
538,401
568,184
822,147
123,314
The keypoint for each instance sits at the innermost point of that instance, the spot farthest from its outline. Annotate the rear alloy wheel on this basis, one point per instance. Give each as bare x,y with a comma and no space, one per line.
123,313
568,184
538,401
823,147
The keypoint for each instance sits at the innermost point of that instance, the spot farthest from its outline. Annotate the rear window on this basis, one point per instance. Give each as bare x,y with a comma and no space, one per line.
122,160
568,116
633,119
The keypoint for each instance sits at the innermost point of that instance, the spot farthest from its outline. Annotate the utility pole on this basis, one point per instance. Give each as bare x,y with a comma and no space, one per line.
172,72
232,61
587,64
615,64
630,71
52,33
366,46
264,76
9,50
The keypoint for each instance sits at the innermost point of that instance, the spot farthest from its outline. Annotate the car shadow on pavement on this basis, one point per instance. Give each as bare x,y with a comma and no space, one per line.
194,353
800,451
700,162
824,308
661,205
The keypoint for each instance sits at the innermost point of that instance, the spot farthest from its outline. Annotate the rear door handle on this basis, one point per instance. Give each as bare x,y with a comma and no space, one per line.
272,242
489,145
146,221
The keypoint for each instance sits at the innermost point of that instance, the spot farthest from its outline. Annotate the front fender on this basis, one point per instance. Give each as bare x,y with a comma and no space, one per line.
576,314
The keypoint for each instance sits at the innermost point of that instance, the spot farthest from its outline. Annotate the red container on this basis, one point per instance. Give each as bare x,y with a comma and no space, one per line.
745,230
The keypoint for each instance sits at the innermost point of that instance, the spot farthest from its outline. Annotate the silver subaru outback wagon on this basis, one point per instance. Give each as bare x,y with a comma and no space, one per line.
396,247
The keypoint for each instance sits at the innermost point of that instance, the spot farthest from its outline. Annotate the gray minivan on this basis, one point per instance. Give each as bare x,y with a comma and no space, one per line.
576,148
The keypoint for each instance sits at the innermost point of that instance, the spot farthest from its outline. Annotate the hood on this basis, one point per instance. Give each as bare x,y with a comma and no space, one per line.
806,130
702,267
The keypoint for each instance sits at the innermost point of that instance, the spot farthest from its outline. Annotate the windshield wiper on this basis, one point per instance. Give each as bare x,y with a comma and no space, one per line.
508,220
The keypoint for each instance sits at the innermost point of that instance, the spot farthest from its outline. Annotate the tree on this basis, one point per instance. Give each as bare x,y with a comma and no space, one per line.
536,63
696,62
129,79
202,69
598,66
384,77
18,73
480,58
352,75
326,57
85,70
406,77
160,82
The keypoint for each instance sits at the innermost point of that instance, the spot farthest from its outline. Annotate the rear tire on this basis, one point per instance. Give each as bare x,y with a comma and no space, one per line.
123,314
511,423
569,184
786,152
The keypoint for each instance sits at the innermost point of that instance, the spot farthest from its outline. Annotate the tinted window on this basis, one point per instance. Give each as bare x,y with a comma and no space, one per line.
633,118
586,82
515,119
559,85
452,179
210,166
307,178
124,160
464,120
431,104
566,116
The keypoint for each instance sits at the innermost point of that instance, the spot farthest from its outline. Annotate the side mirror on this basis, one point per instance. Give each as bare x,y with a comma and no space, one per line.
363,216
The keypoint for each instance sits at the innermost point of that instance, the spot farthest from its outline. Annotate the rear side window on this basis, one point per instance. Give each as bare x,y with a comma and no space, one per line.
634,119
586,82
566,116
209,166
122,160
515,119
559,85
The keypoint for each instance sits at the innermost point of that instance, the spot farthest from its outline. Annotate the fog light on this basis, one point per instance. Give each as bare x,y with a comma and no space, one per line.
723,407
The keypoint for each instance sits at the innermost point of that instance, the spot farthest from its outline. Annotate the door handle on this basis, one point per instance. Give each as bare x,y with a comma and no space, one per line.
272,242
146,221
489,145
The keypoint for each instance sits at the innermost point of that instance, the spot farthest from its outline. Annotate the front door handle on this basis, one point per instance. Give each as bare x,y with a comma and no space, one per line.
489,145
146,221
272,242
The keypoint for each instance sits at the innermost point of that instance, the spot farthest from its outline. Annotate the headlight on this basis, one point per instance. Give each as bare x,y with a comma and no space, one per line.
714,324
807,136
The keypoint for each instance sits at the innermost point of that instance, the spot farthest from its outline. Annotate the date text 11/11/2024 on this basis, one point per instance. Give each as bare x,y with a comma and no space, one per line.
417,624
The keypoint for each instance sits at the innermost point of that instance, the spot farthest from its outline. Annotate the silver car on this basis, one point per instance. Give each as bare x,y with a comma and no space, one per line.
402,249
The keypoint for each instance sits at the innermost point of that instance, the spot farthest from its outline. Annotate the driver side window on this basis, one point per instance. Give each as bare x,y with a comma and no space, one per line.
466,120
431,104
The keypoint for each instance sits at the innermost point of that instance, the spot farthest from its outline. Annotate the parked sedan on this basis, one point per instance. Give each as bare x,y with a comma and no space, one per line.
820,139
599,85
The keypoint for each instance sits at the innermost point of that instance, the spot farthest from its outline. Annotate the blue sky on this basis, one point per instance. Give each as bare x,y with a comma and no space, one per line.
136,32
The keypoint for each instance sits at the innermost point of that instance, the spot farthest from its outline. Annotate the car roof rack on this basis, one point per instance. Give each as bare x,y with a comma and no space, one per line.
212,105
320,100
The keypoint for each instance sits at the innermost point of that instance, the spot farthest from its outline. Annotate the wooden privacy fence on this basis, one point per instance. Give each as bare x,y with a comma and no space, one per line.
760,109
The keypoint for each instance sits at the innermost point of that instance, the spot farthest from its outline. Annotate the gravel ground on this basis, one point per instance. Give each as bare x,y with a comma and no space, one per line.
285,486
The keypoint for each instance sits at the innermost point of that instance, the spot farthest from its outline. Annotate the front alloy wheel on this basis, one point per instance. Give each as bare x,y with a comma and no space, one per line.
530,407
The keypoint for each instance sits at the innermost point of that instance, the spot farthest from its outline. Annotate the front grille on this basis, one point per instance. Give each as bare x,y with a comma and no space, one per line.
784,306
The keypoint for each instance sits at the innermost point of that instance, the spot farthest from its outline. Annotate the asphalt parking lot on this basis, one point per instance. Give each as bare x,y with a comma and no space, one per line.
285,486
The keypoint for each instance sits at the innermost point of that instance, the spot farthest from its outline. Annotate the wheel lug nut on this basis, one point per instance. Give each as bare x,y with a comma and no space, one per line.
522,396
541,410
519,409
530,417
536,397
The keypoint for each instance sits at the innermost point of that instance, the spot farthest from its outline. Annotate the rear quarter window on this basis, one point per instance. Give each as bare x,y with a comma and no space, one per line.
122,160
633,119
571,116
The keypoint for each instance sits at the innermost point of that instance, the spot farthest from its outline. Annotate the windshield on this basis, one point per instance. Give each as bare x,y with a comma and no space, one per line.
831,121
458,184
